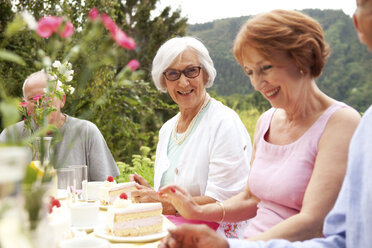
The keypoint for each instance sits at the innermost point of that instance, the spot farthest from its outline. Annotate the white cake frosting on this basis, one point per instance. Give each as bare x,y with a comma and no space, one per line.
134,218
136,208
106,192
59,222
84,214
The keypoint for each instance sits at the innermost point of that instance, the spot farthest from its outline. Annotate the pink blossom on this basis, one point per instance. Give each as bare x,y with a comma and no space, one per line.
48,25
108,23
37,97
68,31
127,43
23,104
93,14
118,35
133,64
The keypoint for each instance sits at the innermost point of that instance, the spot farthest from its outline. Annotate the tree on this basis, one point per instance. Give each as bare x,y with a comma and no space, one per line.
126,114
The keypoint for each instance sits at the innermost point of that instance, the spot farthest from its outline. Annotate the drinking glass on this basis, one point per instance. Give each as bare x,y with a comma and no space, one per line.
81,175
66,181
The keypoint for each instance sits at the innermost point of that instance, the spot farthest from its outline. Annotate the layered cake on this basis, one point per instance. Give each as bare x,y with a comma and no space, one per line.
134,219
112,190
59,222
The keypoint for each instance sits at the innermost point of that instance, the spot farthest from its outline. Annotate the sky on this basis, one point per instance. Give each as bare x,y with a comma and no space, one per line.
201,11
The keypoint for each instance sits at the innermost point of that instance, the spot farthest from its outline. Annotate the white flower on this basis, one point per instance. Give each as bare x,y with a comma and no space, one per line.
56,64
72,90
59,85
29,20
68,78
45,90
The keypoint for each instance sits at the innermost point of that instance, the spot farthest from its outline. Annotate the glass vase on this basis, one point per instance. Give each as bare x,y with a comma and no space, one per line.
13,161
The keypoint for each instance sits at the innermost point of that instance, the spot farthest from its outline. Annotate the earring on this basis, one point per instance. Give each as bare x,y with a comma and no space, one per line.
301,72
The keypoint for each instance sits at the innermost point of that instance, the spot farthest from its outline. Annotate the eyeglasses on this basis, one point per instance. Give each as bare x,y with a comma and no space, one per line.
190,72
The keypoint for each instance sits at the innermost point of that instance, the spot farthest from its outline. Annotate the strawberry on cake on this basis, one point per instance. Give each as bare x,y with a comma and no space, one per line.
112,190
134,219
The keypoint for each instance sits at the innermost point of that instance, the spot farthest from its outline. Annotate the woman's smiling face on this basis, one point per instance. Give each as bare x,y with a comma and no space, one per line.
278,82
188,93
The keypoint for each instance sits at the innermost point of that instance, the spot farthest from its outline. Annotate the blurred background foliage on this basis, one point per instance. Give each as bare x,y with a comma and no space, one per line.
129,113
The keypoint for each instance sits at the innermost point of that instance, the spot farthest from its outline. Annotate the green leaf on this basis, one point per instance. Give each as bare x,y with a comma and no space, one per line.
12,57
9,113
18,24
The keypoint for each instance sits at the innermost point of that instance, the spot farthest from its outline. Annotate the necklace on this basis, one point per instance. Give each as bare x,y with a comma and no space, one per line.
191,125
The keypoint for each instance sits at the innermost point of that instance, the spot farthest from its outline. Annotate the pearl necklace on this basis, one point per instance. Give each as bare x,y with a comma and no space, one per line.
191,125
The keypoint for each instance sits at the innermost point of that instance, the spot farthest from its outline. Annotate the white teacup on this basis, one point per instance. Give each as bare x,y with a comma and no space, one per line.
91,190
84,214
85,242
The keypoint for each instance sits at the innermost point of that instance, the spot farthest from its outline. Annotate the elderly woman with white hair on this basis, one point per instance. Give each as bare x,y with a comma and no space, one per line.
205,148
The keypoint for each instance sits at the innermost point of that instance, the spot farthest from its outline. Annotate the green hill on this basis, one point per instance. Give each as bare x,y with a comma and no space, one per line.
347,76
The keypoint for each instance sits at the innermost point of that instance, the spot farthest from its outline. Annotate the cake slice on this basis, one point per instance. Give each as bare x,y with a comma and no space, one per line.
134,219
112,190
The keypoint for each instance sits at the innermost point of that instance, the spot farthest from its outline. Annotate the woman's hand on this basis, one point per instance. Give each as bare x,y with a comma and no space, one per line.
139,179
199,236
144,194
181,200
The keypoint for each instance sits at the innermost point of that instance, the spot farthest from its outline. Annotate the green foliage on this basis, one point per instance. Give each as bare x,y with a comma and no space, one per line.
128,111
249,118
346,76
142,164
249,108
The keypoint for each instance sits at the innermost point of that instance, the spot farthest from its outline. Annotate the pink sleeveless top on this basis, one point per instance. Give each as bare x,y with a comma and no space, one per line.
280,173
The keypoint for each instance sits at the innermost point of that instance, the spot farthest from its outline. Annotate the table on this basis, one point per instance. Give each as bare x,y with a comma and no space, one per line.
150,244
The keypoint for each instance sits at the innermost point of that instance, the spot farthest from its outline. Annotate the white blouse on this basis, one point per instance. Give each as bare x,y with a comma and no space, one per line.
215,160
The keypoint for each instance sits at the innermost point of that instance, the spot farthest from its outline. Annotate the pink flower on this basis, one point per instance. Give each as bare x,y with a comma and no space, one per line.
37,97
133,64
23,104
118,35
108,23
68,31
127,43
47,26
93,14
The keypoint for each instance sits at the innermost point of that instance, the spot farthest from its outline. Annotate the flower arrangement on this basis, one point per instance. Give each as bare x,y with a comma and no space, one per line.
57,31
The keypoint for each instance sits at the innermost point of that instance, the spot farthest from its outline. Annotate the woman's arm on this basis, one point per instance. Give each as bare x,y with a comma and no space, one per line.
325,183
240,207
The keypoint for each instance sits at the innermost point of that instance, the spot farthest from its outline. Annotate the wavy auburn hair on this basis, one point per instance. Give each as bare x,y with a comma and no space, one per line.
292,32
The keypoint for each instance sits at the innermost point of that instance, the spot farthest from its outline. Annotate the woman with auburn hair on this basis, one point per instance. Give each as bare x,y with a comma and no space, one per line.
300,145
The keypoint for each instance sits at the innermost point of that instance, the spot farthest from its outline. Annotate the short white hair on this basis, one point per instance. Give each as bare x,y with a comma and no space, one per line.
42,75
174,47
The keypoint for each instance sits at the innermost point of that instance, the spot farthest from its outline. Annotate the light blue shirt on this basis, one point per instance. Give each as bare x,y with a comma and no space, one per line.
349,224
174,150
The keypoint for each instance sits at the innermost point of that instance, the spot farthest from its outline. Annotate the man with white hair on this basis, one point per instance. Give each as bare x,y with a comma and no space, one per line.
82,142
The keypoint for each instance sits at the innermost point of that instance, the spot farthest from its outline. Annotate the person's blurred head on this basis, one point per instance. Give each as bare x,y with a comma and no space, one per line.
171,50
36,84
363,22
284,32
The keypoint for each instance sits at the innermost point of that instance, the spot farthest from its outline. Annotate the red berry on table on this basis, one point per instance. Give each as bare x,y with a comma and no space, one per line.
173,190
110,179
123,196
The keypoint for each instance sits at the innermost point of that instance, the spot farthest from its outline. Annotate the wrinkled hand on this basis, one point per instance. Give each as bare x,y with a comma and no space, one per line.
139,179
144,194
199,236
181,200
